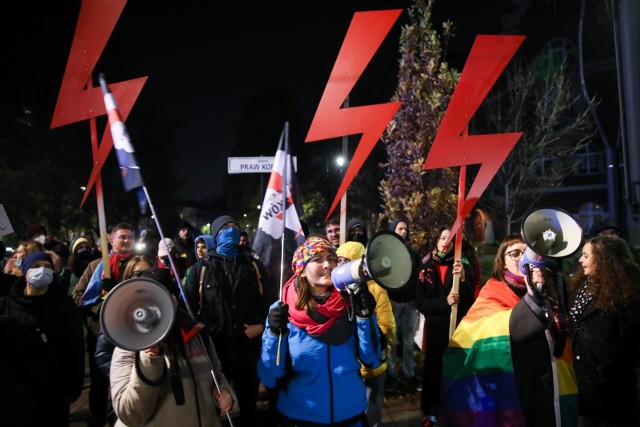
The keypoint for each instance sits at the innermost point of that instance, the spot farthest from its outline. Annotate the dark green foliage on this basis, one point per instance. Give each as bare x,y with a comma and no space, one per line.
425,84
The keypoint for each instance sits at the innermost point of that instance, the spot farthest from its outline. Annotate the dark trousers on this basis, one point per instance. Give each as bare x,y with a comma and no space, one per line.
246,384
99,389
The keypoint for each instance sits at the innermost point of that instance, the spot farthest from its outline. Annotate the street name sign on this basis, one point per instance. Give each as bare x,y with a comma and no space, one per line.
252,164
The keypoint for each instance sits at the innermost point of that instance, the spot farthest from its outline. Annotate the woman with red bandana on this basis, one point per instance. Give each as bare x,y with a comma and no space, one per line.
313,345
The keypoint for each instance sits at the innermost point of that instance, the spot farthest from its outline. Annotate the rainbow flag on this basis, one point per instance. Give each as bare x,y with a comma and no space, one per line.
478,385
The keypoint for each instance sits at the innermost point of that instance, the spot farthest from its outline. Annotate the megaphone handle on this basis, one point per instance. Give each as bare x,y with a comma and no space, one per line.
540,294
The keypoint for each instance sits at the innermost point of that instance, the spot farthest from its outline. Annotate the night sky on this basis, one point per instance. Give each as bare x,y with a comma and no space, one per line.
206,61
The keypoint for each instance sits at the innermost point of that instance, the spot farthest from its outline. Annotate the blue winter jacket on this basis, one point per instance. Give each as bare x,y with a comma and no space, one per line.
324,385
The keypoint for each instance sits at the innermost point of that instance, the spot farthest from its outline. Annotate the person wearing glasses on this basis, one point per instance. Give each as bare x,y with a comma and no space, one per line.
501,363
332,231
87,294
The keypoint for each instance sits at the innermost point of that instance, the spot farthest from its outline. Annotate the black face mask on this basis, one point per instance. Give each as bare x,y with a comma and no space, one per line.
358,238
83,258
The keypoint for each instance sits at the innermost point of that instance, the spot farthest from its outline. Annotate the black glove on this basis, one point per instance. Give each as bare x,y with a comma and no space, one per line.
278,319
363,301
107,284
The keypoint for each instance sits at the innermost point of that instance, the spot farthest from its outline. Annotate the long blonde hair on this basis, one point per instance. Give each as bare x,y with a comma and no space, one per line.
129,269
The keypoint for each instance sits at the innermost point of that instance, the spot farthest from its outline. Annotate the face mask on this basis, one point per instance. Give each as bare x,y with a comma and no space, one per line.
227,242
19,263
40,277
40,239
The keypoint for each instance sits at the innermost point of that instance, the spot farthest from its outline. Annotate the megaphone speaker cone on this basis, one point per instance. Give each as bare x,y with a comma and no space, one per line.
388,260
551,232
137,314
146,318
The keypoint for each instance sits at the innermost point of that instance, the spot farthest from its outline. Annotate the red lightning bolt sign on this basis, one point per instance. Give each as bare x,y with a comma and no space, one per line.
452,146
365,34
77,100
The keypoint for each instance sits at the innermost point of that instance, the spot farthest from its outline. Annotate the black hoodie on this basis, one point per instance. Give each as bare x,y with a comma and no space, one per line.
407,293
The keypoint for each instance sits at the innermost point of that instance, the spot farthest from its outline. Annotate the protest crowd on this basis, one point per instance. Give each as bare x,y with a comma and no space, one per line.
317,351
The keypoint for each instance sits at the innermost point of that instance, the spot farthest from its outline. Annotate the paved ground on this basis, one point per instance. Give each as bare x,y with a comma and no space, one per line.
400,410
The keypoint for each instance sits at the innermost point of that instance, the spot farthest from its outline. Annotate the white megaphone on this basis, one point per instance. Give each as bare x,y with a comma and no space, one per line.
548,233
137,314
387,261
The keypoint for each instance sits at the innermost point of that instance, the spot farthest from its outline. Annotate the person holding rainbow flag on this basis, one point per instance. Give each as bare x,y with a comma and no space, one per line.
500,367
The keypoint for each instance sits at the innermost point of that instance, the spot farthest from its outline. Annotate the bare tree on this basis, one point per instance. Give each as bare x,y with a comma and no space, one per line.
556,126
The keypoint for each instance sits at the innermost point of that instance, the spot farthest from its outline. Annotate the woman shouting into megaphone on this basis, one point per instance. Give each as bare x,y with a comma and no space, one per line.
169,383
500,363
312,348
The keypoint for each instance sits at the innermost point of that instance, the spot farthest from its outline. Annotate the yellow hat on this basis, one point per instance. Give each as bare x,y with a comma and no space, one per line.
351,250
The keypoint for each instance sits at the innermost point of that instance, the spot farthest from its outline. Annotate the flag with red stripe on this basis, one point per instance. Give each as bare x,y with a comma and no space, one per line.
279,217
129,169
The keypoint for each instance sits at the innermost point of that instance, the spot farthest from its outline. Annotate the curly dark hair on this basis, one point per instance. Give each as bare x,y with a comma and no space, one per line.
615,277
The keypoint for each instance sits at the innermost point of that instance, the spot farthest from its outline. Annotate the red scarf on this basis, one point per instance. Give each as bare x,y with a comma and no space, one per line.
332,308
114,265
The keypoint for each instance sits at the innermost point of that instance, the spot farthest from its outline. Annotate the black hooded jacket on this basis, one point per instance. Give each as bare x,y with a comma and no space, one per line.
53,332
406,293
225,294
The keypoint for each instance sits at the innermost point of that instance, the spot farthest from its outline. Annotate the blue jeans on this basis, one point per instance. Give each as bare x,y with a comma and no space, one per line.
405,316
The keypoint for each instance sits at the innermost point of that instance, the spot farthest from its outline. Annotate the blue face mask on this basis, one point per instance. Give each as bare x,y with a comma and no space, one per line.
227,242
40,277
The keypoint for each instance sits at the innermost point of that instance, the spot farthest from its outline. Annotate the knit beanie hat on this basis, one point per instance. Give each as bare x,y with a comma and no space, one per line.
307,249
353,222
165,247
76,242
183,223
351,250
34,230
32,258
217,223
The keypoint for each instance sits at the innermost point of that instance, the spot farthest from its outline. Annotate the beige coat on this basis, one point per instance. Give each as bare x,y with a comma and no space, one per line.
139,404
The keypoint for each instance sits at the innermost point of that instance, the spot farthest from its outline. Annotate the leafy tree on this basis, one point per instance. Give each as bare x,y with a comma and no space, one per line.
556,125
425,85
